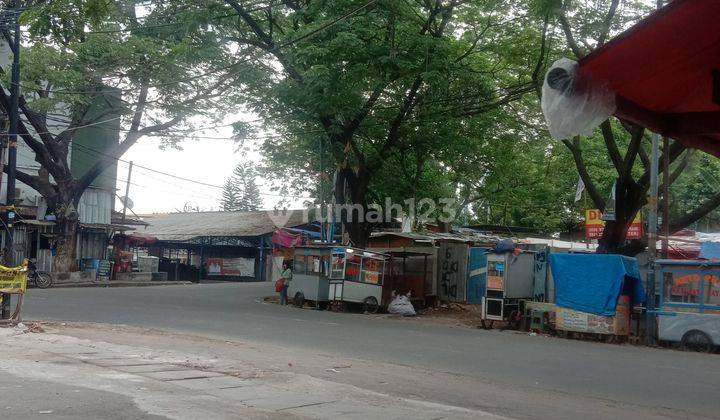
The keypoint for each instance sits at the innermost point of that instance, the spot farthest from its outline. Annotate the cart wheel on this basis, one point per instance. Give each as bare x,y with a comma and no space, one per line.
299,300
695,340
370,305
514,320
487,325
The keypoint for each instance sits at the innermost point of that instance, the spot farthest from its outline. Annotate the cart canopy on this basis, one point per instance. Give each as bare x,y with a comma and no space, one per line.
593,282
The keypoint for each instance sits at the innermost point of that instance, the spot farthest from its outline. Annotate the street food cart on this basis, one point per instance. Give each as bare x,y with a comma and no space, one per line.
310,275
357,277
510,279
594,293
689,311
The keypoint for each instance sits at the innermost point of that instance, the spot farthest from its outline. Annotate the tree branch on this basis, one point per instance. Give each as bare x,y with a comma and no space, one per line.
607,22
594,194
39,184
711,204
611,145
565,25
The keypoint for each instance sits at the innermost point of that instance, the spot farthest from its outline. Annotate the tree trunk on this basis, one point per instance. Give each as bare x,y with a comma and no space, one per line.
66,256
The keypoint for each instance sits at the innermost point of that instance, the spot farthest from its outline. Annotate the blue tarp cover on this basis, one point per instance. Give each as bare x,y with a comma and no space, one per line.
592,282
710,250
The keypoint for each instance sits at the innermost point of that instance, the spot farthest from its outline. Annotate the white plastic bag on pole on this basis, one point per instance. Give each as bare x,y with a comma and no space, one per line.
574,105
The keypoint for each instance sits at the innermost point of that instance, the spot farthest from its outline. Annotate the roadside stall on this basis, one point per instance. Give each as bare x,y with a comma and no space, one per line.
310,280
689,310
510,279
357,277
408,274
594,293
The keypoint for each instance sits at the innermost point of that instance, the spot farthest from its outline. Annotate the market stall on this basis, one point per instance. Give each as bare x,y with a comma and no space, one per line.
408,276
594,293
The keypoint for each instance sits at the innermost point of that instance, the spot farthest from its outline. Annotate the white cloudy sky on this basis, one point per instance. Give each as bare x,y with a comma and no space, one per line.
209,160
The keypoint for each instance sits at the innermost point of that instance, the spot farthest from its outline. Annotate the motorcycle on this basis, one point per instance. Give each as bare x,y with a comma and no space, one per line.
40,279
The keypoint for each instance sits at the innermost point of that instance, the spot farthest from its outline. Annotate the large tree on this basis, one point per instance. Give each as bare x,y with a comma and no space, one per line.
151,73
386,94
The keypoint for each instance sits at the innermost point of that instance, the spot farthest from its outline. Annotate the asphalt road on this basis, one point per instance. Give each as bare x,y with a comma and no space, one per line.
635,375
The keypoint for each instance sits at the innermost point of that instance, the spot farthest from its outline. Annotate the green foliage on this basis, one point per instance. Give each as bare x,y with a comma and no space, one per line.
240,192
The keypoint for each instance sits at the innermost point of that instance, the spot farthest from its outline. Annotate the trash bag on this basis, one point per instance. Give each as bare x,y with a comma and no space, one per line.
574,105
401,305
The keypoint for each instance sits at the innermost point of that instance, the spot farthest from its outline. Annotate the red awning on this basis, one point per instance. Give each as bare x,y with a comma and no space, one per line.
665,72
139,239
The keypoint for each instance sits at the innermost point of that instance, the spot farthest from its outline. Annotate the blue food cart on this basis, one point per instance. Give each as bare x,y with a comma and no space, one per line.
689,307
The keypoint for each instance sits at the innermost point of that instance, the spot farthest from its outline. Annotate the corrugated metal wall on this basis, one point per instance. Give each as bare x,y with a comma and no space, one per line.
95,206
92,245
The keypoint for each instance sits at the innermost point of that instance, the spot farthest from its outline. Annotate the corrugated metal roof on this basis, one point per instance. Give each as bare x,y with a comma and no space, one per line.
186,226
438,236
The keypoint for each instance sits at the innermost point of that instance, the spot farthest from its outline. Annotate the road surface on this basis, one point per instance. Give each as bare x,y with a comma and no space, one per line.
682,383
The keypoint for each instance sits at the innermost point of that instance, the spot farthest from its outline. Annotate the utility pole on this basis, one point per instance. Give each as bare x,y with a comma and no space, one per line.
652,242
127,191
652,234
666,196
12,149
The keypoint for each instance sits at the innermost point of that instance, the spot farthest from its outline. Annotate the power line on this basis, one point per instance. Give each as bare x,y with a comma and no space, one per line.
177,176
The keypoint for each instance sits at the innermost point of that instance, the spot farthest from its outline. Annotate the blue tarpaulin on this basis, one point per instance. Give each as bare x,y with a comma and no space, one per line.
593,282
710,250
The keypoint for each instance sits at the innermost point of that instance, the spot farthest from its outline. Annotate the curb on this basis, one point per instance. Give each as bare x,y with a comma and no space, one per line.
119,284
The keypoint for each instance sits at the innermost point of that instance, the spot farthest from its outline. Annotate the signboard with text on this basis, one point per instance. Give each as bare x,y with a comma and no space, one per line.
237,267
594,225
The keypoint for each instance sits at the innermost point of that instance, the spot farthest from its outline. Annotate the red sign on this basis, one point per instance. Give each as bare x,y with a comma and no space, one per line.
595,225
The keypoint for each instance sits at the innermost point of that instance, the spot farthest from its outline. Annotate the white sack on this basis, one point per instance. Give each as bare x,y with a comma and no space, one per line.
574,105
401,305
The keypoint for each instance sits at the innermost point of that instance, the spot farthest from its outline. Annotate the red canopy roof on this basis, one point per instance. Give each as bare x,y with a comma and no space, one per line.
665,71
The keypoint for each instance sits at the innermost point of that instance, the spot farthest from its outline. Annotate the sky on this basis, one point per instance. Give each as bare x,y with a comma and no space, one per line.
209,161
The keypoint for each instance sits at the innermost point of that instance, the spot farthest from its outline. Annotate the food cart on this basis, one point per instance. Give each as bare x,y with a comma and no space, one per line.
510,279
594,294
310,275
357,277
689,311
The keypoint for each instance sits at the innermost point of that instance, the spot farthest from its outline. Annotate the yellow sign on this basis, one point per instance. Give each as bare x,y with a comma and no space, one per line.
13,279
594,225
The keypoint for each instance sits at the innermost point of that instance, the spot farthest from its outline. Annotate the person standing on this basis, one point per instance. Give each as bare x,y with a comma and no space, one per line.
287,278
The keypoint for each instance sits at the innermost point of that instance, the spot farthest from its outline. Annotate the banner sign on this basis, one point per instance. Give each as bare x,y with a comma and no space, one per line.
237,267
594,225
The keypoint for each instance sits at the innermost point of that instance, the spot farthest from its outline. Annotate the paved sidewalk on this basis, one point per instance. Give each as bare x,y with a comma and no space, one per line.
78,378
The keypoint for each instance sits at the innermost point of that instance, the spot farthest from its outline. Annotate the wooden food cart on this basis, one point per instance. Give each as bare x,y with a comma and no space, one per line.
357,277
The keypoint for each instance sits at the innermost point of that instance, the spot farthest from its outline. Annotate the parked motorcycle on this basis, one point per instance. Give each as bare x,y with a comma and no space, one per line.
40,279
